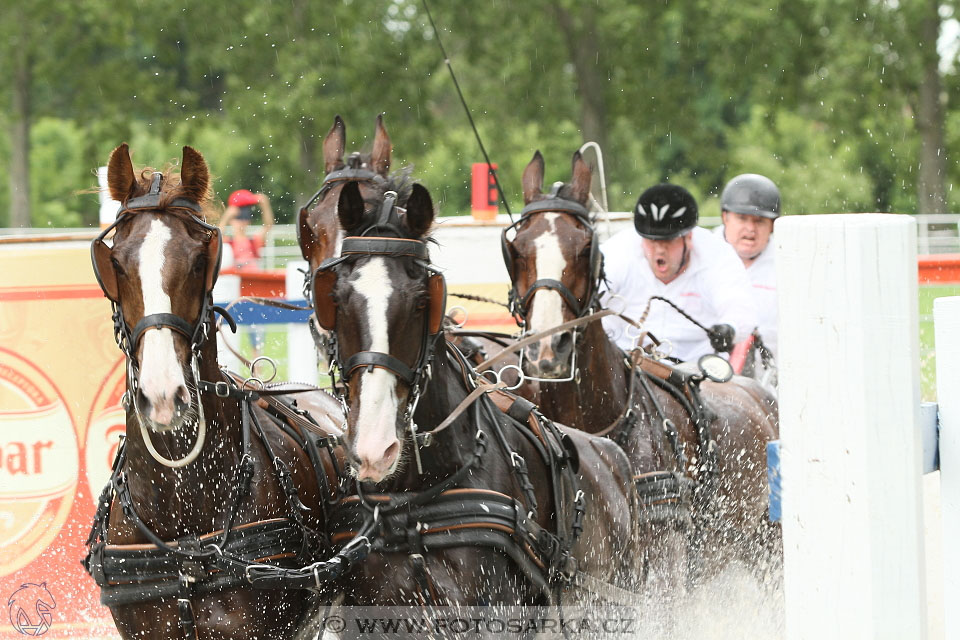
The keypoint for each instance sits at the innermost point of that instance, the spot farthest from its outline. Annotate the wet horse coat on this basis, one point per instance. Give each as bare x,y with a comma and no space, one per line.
379,302
730,508
174,484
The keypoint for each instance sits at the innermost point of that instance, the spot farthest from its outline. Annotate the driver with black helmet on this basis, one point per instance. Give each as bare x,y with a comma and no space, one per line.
668,255
750,204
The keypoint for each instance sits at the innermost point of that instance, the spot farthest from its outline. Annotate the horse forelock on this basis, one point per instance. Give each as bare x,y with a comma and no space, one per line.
172,188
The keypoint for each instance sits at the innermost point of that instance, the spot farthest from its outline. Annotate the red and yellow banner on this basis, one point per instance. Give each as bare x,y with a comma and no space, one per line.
61,378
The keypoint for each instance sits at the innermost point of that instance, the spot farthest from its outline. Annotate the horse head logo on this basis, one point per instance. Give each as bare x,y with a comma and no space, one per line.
31,609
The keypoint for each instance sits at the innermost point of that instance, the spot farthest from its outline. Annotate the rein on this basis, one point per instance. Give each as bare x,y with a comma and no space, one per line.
231,557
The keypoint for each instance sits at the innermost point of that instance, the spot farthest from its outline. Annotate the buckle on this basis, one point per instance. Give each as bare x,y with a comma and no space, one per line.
261,567
222,389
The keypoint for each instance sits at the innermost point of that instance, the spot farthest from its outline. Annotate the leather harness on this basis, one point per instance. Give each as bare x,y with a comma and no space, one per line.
446,515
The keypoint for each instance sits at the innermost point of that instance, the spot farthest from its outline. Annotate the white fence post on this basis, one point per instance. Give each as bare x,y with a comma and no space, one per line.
301,352
946,317
225,291
849,408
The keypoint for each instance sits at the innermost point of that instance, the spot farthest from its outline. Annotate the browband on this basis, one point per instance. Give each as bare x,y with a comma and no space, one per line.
152,199
395,247
556,204
350,174
341,175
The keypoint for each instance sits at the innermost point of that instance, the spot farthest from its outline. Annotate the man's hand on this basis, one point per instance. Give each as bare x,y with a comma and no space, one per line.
721,337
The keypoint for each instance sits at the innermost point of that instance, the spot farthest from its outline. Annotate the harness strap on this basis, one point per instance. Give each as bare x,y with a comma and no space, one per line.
188,623
426,437
393,247
460,518
159,321
520,409
554,285
561,205
520,344
376,359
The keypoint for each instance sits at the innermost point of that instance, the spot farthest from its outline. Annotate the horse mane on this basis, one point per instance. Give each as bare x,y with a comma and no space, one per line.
399,181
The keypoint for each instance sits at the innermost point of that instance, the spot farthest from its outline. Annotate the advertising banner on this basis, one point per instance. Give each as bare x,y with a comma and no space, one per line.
61,378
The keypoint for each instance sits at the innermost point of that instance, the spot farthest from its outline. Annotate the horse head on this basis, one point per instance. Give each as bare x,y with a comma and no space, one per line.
318,228
554,265
385,305
159,274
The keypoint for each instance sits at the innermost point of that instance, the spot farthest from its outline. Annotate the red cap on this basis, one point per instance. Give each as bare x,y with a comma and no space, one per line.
242,198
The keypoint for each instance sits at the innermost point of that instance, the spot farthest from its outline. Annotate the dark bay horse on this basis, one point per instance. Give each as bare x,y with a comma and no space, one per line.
207,480
318,229
556,274
459,491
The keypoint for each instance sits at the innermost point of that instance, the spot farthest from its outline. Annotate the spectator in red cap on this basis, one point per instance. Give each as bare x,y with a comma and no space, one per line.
239,213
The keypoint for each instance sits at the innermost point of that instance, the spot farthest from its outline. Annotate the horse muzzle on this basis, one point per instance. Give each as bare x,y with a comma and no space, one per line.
551,358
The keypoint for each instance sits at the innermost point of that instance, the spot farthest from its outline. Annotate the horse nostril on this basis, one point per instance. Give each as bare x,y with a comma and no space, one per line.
142,401
391,453
533,351
181,400
564,342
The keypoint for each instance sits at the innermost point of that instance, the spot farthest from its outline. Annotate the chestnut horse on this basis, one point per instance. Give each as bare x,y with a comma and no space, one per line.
555,268
208,482
461,489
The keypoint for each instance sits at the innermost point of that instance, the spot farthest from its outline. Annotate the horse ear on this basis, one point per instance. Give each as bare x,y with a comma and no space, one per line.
381,149
194,175
420,212
121,179
306,238
350,207
582,176
334,144
533,178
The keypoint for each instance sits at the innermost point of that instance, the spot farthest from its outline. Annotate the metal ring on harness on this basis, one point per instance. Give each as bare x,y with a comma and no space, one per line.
450,313
521,377
268,360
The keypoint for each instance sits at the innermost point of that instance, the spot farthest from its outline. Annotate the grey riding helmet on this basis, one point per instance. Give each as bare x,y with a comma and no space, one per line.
753,195
664,212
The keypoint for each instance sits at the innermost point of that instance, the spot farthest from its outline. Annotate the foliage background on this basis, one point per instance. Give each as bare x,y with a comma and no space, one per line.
833,99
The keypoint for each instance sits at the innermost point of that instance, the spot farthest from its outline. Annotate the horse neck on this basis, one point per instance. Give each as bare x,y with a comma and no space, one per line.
193,497
454,446
597,399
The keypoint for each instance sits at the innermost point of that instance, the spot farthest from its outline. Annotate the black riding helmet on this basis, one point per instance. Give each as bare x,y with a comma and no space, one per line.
665,211
753,195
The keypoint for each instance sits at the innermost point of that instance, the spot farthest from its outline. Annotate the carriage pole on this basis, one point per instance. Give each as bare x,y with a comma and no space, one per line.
849,415
946,317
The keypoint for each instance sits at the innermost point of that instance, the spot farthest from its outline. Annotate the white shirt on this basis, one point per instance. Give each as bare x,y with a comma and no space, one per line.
713,289
762,273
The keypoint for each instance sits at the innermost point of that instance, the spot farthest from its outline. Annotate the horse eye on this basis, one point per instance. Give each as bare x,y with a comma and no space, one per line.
199,266
116,266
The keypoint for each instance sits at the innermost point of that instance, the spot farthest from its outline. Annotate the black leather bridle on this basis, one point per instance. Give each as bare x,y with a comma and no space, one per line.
383,237
195,332
519,303
351,173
